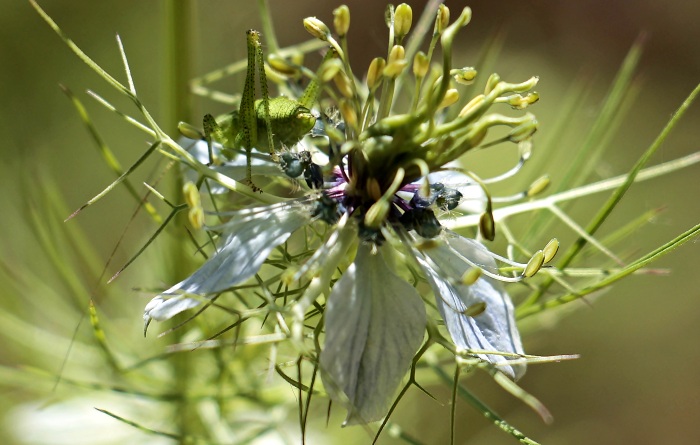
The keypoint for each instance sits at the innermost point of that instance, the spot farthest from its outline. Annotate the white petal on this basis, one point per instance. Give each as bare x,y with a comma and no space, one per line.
374,323
240,256
495,328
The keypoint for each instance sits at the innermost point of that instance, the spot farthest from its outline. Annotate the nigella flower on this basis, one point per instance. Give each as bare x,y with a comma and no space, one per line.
389,178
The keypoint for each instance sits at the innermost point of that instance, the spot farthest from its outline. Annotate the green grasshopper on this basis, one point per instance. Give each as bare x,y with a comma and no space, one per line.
285,121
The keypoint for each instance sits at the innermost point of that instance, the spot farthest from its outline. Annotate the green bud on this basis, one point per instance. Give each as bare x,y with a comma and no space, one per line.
538,186
397,53
471,275
442,20
476,102
396,62
348,113
317,28
421,64
402,21
475,309
491,83
451,96
282,65
191,194
376,214
196,217
534,265
342,82
520,102
329,69
487,226
374,73
373,188
341,20
465,76
525,149
550,250
189,131
524,131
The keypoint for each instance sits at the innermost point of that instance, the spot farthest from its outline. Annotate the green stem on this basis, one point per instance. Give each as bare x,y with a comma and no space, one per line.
178,54
617,195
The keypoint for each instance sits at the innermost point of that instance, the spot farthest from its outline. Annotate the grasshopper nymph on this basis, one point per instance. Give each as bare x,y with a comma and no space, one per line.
285,121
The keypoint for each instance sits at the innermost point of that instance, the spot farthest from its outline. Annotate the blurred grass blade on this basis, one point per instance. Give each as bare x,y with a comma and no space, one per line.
118,181
108,155
533,308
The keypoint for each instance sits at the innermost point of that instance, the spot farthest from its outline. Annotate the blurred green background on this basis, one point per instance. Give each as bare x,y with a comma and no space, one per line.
636,380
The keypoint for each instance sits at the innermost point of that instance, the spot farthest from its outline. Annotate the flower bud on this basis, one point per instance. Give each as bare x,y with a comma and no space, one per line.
471,275
342,82
534,265
317,28
475,309
402,21
451,96
524,131
487,226
396,62
374,73
476,102
491,83
348,113
281,65
196,217
397,53
191,194
538,186
465,76
421,64
341,20
376,214
189,131
520,102
442,20
550,250
375,192
329,69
